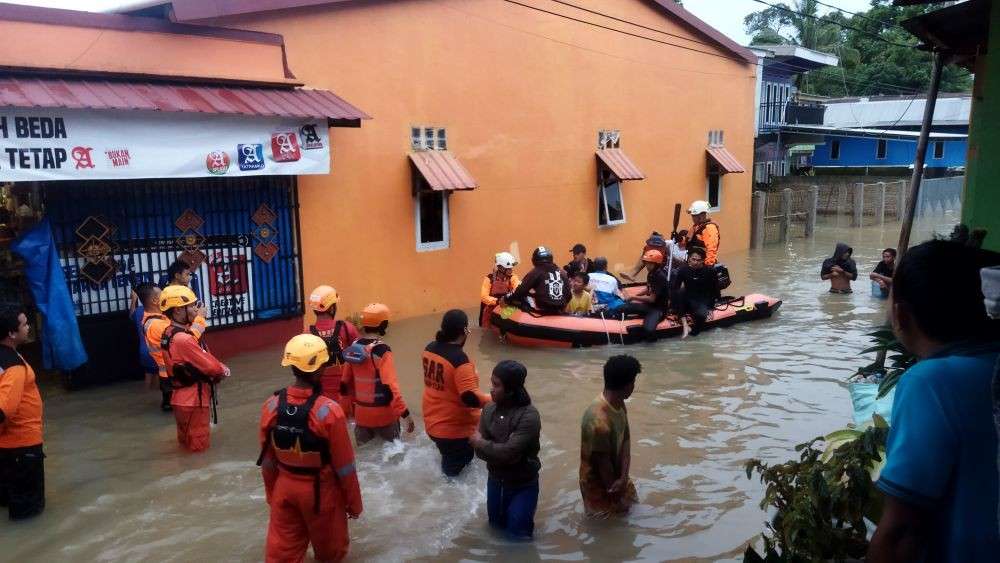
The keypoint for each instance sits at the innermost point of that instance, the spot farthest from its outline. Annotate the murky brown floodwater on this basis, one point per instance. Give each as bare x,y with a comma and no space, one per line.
119,490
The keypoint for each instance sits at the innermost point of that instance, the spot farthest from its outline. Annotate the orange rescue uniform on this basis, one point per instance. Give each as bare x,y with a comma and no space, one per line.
708,234
20,401
448,373
345,333
362,382
494,287
191,403
291,495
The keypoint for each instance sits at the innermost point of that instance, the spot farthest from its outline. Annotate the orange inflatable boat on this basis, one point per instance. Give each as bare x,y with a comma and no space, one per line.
525,328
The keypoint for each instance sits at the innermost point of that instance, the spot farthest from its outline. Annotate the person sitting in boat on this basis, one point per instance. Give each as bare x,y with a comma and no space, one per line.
651,304
545,288
605,289
704,232
654,242
580,301
693,289
501,281
840,269
677,252
580,262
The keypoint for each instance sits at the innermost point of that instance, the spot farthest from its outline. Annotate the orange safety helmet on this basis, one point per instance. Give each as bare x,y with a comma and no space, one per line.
322,298
653,255
374,314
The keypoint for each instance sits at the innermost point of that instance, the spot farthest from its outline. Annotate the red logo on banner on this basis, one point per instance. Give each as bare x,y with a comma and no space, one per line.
217,162
82,157
285,147
227,276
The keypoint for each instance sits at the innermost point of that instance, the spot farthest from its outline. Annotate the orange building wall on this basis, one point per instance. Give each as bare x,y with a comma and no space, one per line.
522,95
67,47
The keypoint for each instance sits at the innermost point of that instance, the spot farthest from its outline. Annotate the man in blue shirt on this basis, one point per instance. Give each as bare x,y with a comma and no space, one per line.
940,480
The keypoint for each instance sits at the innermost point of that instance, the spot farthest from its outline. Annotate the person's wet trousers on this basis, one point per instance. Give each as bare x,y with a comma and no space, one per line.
456,453
22,481
651,314
512,509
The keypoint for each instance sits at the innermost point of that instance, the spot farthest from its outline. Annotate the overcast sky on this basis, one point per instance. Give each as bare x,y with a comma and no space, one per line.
724,15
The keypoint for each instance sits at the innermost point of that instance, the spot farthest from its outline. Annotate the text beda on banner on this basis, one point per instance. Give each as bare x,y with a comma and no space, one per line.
29,127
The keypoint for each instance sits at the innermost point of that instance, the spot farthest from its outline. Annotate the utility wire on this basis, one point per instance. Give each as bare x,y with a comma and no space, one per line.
685,47
639,25
864,16
843,25
796,68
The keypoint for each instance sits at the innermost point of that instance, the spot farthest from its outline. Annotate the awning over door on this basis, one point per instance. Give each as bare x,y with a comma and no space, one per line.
94,94
724,160
442,171
620,164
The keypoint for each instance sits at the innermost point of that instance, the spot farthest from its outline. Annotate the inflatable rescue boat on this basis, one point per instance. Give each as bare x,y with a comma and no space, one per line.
528,328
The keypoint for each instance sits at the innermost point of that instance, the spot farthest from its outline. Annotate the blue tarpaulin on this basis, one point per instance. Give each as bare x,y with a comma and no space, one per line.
62,347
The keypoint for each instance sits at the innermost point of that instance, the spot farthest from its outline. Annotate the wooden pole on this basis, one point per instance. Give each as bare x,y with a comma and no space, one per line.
758,206
811,216
918,162
880,202
859,205
786,213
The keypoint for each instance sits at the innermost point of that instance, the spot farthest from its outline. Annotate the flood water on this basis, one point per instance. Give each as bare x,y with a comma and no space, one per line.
118,489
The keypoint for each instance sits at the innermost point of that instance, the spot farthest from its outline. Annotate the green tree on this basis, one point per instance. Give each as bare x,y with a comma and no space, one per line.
877,55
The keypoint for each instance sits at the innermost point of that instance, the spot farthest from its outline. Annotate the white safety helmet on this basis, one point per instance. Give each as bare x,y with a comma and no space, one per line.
699,207
505,260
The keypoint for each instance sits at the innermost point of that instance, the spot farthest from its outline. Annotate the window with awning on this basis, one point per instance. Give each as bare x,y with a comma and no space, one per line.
436,173
613,167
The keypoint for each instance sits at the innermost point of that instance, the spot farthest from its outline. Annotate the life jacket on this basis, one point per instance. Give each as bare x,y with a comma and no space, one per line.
369,391
183,375
149,318
333,345
499,287
696,231
296,448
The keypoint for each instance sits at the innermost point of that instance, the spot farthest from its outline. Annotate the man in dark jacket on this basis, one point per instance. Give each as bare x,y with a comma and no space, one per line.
694,288
840,269
547,284
508,441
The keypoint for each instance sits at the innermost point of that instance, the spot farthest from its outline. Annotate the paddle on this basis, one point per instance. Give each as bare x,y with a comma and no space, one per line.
677,220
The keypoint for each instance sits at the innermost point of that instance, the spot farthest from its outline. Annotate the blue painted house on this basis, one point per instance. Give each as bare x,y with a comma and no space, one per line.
861,134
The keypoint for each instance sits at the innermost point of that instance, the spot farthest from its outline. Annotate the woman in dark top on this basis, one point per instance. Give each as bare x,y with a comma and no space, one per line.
508,440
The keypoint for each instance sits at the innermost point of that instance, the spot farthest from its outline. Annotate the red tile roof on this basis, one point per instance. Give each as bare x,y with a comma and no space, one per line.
30,92
443,171
725,159
620,164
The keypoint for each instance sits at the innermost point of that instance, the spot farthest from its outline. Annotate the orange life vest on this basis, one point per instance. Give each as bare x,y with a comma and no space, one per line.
499,286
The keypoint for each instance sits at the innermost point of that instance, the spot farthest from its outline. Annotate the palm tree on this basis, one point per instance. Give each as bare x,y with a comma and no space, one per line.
800,23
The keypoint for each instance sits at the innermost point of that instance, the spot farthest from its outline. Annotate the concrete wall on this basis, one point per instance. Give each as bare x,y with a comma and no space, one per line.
982,196
856,151
522,95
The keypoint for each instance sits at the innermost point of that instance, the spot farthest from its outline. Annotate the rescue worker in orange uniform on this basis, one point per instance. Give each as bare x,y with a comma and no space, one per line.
22,471
705,232
338,335
498,283
192,369
154,322
307,462
371,382
179,273
452,399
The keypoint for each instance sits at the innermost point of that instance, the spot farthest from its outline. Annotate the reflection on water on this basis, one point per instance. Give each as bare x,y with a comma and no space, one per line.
118,489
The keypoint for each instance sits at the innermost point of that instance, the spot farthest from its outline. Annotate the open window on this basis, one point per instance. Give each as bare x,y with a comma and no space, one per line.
881,149
938,149
714,190
436,173
719,163
613,167
834,149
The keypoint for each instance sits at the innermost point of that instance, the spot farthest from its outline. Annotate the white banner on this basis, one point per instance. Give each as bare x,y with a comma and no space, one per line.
37,145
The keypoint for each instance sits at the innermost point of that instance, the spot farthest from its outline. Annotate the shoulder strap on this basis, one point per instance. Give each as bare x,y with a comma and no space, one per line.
313,330
145,324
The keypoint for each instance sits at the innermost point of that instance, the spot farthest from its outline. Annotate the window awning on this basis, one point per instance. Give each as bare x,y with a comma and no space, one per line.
620,164
442,171
97,94
725,160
